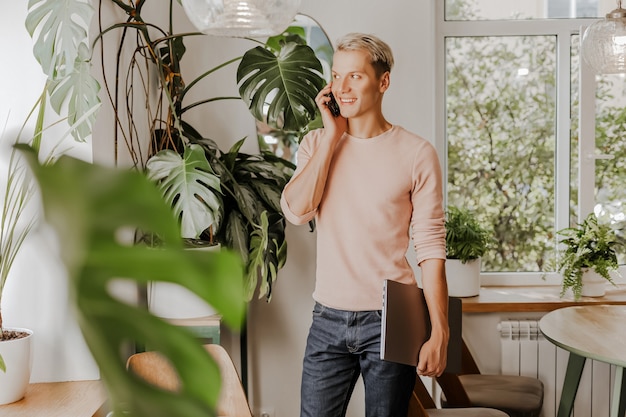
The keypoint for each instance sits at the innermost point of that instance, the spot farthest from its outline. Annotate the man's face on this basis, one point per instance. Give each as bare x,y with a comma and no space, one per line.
356,87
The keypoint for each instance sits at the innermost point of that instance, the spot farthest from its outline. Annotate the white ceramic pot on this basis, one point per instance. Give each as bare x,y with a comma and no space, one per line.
463,278
172,301
594,285
18,360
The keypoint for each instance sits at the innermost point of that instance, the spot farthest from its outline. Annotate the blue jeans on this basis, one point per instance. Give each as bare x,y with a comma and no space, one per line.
341,346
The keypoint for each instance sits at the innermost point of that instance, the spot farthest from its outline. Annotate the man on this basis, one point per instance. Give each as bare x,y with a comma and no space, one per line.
369,184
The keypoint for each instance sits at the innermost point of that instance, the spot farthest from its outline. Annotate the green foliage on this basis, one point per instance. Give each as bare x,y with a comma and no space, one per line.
288,81
17,219
88,205
190,186
588,245
254,225
501,144
59,28
282,75
466,239
15,222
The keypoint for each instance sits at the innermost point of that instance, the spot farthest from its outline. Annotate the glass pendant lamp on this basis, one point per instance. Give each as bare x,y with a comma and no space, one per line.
241,18
604,43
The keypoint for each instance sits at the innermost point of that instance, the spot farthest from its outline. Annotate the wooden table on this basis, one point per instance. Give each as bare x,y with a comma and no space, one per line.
594,332
58,399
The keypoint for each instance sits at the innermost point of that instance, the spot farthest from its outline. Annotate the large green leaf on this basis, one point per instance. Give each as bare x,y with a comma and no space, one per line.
81,89
190,186
88,206
59,28
280,90
237,234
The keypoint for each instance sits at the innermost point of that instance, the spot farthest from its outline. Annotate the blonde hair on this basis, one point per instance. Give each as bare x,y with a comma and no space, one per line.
380,53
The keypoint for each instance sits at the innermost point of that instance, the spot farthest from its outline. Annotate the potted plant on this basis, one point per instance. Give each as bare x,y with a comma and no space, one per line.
466,242
587,257
18,217
278,81
197,203
16,222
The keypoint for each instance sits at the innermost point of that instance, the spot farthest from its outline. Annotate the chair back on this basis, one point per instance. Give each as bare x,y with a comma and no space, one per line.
155,369
152,367
232,401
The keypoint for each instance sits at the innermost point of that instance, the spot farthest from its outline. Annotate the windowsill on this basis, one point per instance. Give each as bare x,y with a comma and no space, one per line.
495,299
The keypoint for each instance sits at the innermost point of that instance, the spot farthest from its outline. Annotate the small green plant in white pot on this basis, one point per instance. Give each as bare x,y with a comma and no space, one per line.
466,242
16,222
587,258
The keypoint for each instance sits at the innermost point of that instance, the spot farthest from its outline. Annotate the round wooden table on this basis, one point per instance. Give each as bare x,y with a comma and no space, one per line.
595,332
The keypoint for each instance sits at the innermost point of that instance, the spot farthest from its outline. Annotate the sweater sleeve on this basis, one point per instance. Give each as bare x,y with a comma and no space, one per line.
428,218
302,158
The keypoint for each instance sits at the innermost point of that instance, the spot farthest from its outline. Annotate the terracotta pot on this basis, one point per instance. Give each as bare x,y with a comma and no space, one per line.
463,278
594,285
18,359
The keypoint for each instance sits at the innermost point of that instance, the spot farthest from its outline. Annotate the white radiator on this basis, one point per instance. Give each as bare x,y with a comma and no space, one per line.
526,352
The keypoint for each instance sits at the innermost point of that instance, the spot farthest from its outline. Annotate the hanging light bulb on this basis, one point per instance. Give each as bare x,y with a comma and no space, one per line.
604,43
241,18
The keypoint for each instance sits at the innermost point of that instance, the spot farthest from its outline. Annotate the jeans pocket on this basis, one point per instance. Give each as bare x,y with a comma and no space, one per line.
318,310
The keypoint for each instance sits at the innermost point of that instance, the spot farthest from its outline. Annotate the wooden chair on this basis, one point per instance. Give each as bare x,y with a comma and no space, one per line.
154,368
518,396
422,405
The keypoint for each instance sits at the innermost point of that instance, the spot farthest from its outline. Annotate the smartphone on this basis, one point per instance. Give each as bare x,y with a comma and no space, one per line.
333,106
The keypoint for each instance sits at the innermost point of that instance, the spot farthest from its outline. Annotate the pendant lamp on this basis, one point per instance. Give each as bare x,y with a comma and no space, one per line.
604,43
241,18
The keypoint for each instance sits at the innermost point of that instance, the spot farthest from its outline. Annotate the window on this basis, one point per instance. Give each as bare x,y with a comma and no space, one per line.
463,10
510,124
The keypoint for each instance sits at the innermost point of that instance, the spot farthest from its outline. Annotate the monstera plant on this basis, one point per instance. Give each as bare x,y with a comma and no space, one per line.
278,81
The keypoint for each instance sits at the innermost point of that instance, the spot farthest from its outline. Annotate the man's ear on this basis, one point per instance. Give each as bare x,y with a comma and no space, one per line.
384,81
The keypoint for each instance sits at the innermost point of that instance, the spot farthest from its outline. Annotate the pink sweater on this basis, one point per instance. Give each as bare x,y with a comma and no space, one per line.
378,190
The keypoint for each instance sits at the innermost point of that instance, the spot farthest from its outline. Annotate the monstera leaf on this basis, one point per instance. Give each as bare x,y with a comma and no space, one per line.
280,90
88,205
60,31
268,252
190,186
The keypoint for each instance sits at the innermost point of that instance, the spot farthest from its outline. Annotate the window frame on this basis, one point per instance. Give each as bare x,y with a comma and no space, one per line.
563,30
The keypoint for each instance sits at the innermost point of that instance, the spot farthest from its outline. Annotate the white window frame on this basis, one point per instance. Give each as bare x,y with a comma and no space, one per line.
562,29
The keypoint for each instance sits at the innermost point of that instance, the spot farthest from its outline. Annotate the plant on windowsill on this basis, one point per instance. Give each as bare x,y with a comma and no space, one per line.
589,248
466,242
